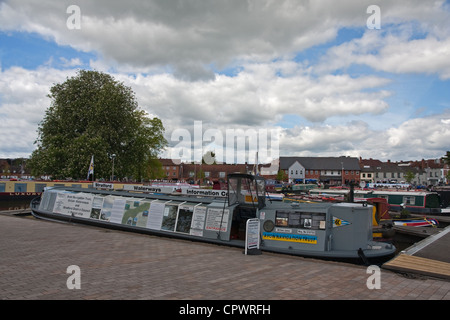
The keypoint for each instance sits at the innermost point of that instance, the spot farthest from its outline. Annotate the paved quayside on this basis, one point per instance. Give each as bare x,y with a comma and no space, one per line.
36,254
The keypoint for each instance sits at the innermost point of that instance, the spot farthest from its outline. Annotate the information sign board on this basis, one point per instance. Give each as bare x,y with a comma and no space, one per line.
252,236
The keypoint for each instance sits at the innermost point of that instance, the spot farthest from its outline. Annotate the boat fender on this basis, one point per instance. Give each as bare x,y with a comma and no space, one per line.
363,257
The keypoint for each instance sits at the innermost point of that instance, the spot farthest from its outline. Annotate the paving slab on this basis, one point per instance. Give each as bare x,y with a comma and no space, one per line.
113,265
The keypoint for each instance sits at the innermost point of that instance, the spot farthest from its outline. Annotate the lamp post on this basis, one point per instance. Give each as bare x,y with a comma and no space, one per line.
113,156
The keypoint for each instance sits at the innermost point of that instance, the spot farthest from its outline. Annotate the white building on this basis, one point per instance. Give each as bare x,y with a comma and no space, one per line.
296,172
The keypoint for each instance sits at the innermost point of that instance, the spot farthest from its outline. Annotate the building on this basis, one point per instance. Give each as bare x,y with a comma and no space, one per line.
201,173
434,171
376,171
330,170
14,168
208,173
171,169
426,172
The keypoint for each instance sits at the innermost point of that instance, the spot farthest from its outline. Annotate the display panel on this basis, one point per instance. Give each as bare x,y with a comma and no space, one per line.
169,217
184,219
136,213
198,221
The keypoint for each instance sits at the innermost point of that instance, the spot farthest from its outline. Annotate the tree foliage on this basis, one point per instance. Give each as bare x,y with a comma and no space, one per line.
446,158
93,114
409,176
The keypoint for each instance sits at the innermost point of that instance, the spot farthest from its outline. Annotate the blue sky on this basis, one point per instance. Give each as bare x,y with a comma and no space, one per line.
31,51
314,72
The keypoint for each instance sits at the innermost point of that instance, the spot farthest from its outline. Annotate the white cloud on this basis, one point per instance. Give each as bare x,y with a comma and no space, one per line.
74,62
169,53
413,139
258,96
23,96
191,36
395,53
228,102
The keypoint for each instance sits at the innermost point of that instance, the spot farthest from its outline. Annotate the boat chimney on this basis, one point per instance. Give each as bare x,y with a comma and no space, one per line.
351,195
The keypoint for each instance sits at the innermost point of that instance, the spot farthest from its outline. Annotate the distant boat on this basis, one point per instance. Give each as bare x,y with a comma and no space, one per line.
423,202
29,189
424,222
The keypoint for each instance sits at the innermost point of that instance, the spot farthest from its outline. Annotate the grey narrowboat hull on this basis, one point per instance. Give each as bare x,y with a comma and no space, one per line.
349,239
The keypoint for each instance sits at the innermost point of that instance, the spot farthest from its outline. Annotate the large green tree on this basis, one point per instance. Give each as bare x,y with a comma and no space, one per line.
93,114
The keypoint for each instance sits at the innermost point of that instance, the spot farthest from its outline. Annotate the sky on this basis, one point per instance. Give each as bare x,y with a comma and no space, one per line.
366,79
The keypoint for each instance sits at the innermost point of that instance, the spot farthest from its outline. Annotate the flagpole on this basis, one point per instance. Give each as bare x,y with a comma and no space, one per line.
91,169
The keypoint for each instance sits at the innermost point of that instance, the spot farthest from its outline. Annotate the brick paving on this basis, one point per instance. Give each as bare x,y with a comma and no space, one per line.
115,265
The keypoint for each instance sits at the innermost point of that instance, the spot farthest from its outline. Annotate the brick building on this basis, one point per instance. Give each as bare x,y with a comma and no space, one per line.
203,173
330,170
426,172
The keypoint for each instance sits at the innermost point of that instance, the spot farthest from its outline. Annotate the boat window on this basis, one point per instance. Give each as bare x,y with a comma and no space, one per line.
409,200
20,187
233,191
246,190
282,219
297,219
260,187
39,187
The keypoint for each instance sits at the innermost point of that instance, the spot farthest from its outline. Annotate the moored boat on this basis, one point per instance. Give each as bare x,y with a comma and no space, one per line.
424,202
323,230
416,222
29,189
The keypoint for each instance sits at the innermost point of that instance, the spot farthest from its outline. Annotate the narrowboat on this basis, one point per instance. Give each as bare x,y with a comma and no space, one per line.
414,201
423,202
323,230
29,189
418,222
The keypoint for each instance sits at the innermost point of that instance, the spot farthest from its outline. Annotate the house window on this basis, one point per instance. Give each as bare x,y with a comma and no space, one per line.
222,174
